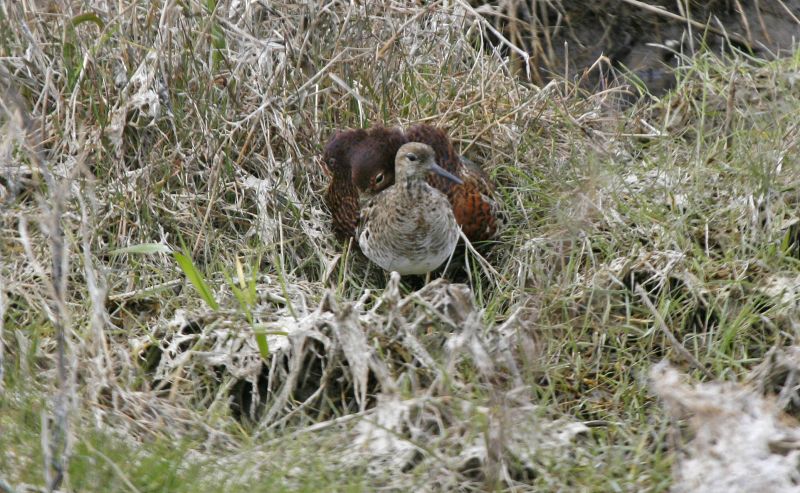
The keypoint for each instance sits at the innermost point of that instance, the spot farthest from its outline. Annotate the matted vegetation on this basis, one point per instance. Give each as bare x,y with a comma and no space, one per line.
175,314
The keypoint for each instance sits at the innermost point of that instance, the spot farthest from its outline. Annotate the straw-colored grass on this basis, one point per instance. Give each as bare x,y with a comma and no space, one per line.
175,314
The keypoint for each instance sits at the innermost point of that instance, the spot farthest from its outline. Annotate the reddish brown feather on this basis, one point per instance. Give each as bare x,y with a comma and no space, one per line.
341,195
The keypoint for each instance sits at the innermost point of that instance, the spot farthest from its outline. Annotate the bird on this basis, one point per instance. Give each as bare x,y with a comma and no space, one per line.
361,163
357,162
409,227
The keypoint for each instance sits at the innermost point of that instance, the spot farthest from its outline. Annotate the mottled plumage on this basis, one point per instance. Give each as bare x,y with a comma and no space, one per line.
410,227
472,200
361,162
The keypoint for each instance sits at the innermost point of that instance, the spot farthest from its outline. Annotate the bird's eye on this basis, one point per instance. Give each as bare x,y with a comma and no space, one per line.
379,178
411,157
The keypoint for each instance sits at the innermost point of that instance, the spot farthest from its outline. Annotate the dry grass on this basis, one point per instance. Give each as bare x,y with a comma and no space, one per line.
175,314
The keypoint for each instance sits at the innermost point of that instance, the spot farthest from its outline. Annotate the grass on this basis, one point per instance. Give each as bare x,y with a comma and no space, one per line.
266,356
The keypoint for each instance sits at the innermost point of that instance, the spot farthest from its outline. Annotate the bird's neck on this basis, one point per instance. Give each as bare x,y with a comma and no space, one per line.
412,183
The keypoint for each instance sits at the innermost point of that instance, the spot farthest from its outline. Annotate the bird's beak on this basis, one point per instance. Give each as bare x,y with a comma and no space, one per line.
443,172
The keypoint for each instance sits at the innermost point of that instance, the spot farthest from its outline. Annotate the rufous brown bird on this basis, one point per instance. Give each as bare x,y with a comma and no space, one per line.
361,164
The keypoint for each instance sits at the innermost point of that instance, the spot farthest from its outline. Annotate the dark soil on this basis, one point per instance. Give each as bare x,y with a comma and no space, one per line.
634,37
